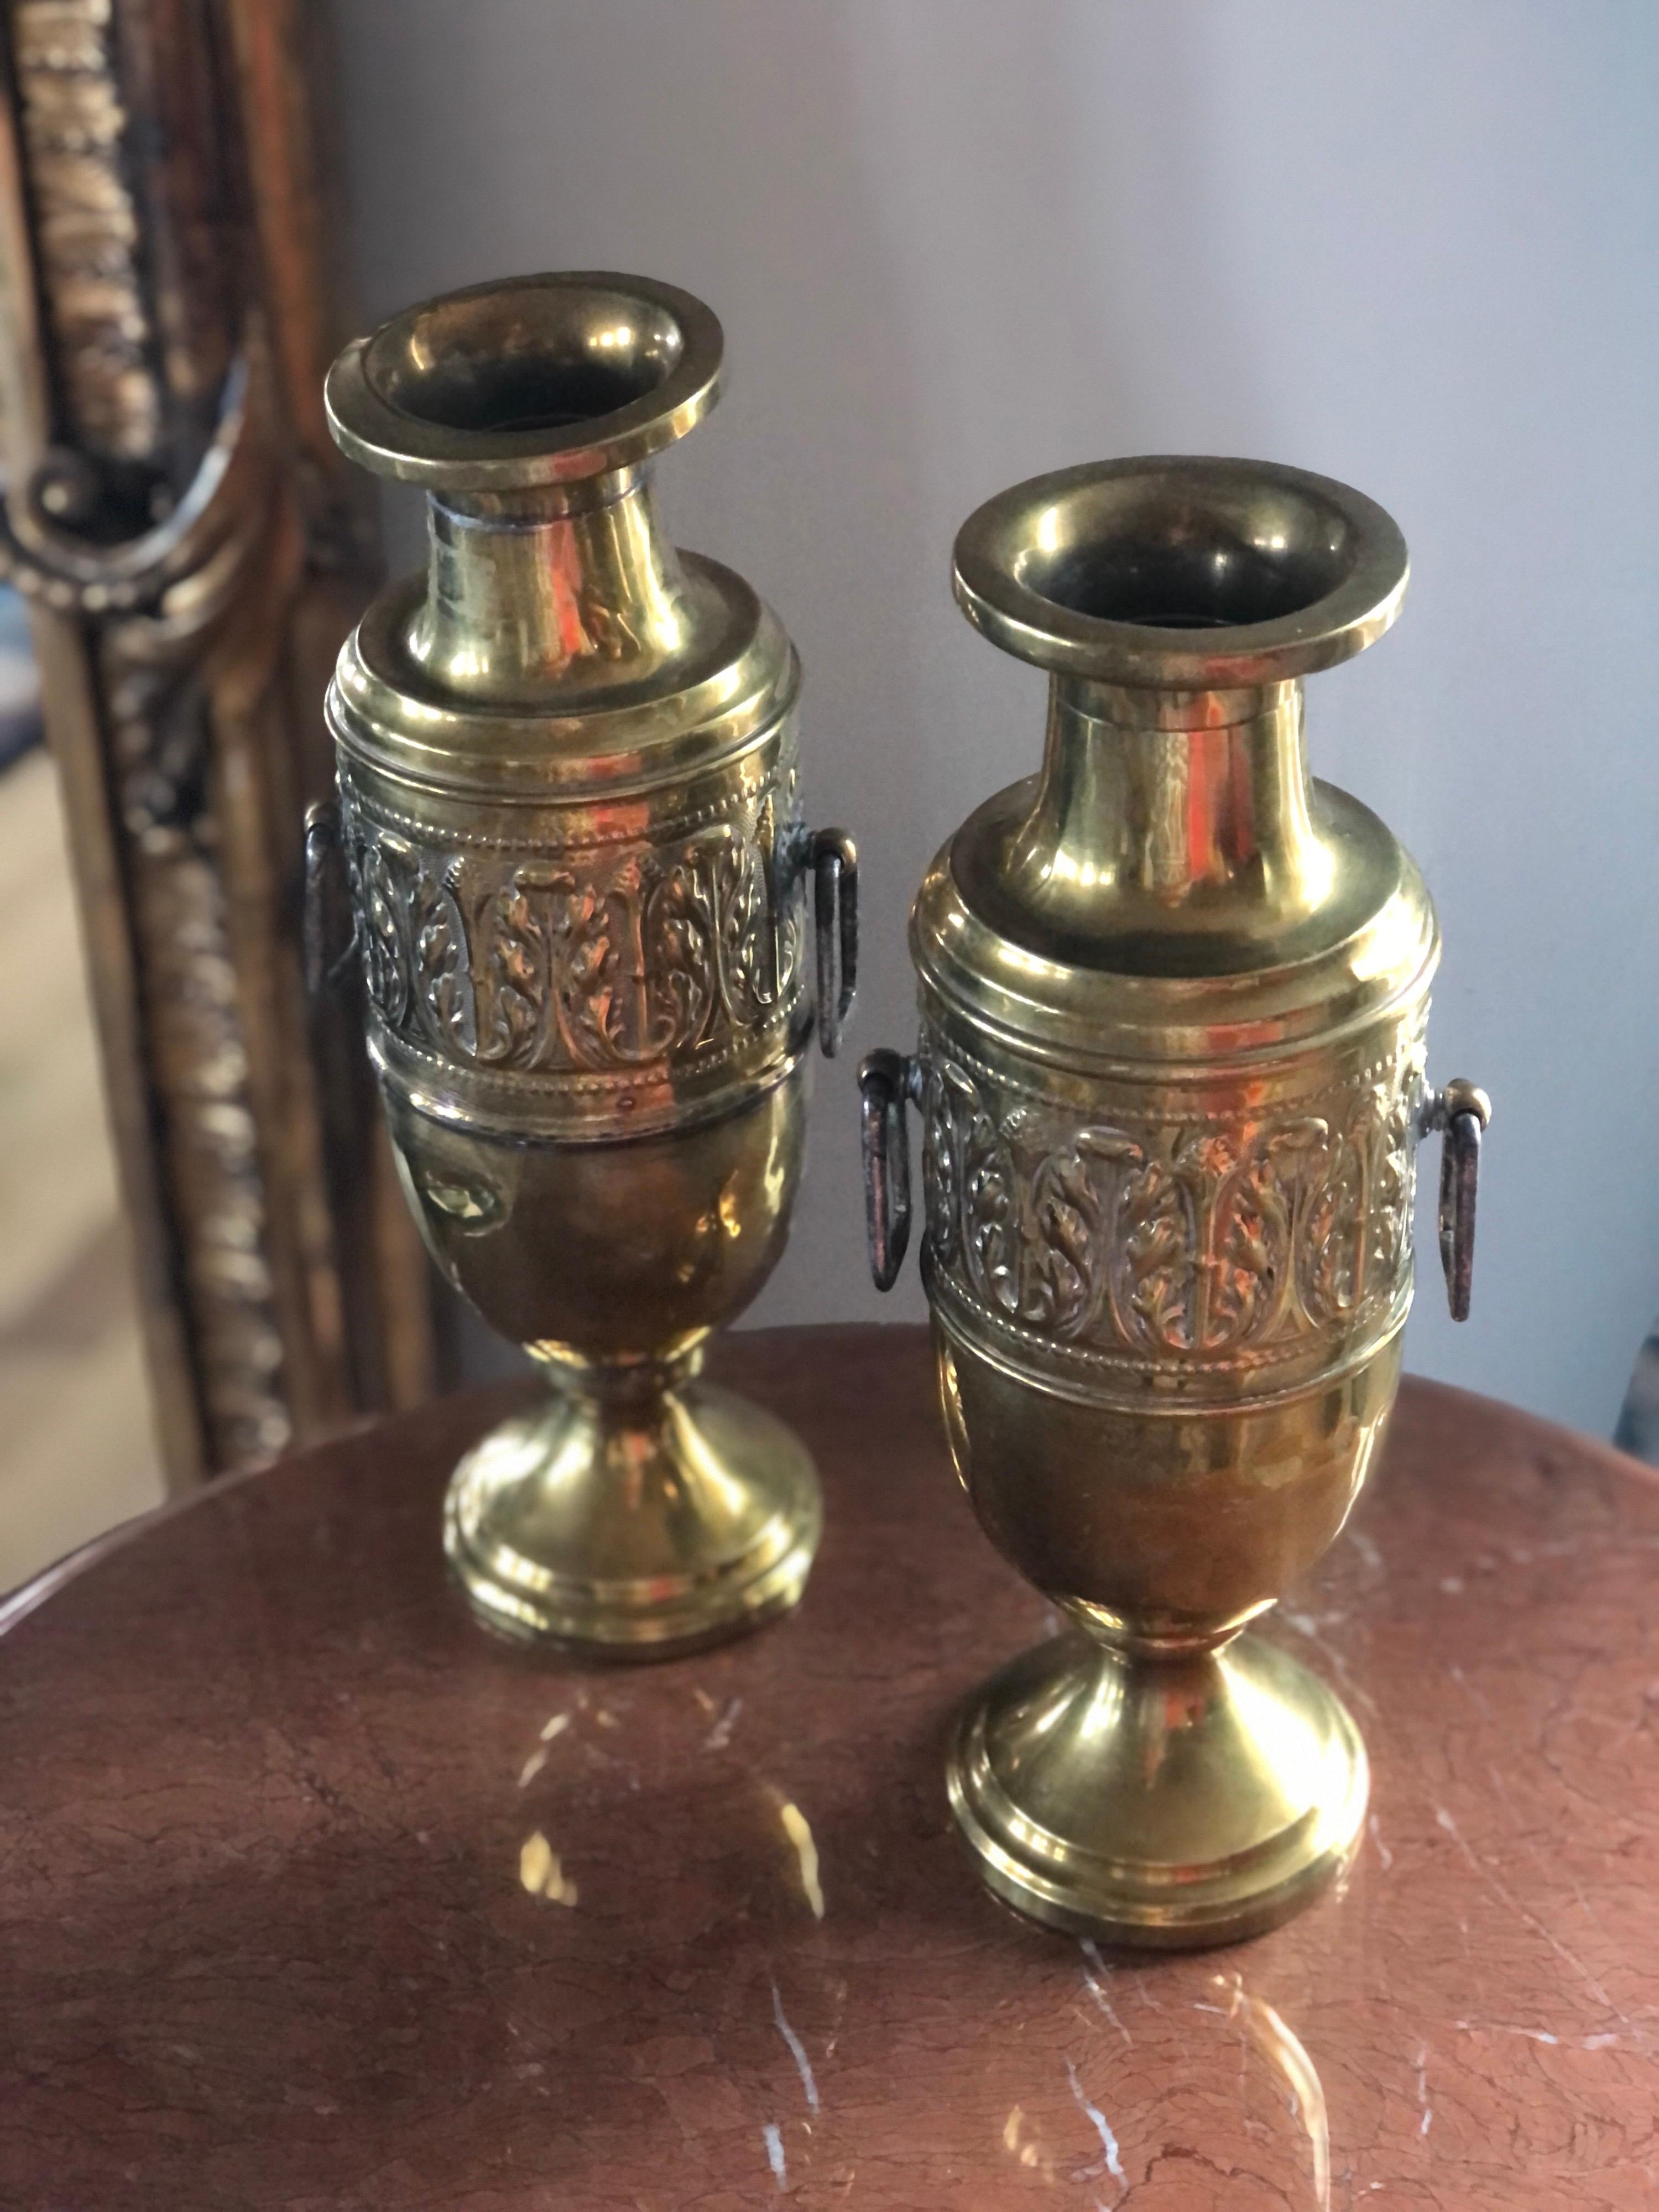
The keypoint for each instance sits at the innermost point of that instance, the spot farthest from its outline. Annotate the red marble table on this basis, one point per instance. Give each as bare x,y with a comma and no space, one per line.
313,1896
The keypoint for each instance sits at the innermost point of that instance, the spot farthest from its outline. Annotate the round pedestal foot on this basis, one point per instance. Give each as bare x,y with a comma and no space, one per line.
1169,1803
635,1530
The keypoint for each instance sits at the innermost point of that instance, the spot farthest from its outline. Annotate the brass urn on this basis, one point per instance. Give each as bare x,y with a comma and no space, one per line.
570,814
1170,1073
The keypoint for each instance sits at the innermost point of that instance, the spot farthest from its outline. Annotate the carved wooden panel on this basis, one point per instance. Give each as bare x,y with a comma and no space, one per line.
194,556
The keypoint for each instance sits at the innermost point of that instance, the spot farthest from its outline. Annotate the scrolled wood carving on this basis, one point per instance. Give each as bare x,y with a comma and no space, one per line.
193,581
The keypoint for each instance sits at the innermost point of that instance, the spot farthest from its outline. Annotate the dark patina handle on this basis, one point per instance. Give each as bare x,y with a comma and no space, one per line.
326,887
886,1080
834,860
1461,1113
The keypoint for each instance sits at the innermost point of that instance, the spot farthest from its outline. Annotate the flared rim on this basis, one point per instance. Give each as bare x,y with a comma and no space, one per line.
527,381
1181,571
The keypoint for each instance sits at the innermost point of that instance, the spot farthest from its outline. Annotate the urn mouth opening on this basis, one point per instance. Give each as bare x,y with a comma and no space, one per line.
1181,572
528,382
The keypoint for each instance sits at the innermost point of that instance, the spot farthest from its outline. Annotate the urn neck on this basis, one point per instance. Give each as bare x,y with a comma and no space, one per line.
528,410
532,592
1168,799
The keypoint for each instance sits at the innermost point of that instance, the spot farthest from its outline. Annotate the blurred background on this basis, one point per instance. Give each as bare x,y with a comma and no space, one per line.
954,243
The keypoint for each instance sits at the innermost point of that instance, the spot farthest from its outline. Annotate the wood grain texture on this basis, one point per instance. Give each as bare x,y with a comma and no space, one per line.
279,1932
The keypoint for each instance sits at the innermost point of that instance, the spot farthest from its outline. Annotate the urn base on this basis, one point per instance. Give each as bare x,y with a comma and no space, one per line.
635,1523
1162,1803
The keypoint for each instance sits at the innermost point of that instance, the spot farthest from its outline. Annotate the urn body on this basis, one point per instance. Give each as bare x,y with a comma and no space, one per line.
1170,1073
580,876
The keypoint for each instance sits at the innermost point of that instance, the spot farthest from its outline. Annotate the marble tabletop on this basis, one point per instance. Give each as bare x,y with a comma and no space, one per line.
315,1897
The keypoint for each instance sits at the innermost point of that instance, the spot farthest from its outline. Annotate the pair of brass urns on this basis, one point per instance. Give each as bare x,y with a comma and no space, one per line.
1169,1074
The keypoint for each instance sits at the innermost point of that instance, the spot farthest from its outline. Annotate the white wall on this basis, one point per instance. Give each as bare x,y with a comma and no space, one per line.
957,241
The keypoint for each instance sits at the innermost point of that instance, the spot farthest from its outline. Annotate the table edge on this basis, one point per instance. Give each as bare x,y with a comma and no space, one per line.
40,1588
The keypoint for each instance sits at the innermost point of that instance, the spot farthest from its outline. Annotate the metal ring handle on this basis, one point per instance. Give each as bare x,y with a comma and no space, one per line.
834,861
1461,1113
886,1080
325,864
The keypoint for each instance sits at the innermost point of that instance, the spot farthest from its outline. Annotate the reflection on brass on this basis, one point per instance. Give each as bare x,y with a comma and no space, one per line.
799,1829
1170,1076
569,815
541,1871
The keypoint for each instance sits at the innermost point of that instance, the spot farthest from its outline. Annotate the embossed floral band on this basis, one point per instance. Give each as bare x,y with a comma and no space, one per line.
570,816
1170,1070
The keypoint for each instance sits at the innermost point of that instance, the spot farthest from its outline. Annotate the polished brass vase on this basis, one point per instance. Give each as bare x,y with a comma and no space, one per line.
569,812
1170,1073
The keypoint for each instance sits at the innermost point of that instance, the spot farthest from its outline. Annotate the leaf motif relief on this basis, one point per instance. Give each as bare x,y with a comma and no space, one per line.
1065,1218
1208,1241
380,906
1355,1236
581,967
747,938
947,1096
1328,1271
1156,1266
680,957
990,1231
617,958
1395,1179
1077,1196
785,890
443,980
512,999
1252,1259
